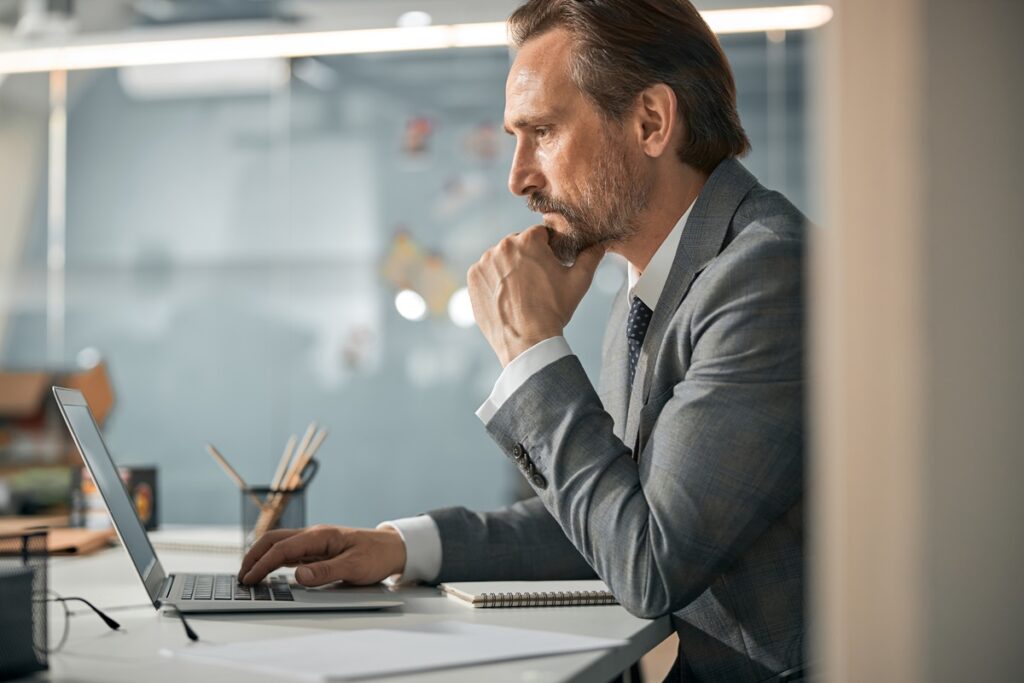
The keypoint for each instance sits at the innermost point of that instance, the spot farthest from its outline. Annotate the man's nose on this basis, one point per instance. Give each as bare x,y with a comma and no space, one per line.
525,177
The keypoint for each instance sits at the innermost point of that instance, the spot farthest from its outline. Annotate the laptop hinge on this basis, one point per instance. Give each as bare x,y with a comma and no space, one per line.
165,587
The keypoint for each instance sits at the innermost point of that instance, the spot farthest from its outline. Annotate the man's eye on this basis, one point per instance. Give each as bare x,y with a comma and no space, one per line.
541,131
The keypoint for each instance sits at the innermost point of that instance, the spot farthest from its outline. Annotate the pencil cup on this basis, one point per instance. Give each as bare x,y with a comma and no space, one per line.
277,509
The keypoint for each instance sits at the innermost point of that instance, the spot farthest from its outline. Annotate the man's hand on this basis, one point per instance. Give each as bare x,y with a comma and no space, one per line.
326,554
522,295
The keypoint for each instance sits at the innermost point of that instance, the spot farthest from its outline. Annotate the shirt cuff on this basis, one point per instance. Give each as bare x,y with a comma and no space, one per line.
422,549
523,367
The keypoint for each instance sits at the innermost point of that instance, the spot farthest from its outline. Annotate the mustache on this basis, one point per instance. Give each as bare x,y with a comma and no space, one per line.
542,203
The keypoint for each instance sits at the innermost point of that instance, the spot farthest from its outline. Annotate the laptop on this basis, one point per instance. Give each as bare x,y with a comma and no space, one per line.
194,592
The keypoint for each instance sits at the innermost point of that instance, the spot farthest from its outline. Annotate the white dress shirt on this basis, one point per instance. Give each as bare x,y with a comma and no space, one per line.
420,534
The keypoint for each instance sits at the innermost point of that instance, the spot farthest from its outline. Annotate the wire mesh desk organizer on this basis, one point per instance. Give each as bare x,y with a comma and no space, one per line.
23,611
267,507
283,503
27,633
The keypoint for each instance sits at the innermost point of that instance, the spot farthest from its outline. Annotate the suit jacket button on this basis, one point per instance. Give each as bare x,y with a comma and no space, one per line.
518,451
539,481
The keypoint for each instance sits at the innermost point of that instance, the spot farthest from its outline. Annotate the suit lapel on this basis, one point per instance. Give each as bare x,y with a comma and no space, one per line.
702,240
615,364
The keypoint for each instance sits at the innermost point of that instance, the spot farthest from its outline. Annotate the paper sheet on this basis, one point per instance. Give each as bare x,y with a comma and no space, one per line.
348,655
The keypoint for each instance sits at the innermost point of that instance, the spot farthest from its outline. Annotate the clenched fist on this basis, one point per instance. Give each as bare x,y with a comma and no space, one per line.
522,294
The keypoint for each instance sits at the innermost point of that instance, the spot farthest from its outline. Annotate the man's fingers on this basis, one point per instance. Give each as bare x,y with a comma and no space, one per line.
315,542
587,262
261,546
537,232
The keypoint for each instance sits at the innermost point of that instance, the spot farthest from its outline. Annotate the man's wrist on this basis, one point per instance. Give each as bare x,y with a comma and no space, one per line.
397,565
515,347
519,370
421,543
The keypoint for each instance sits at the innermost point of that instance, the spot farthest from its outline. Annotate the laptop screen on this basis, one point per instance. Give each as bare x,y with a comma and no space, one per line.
94,451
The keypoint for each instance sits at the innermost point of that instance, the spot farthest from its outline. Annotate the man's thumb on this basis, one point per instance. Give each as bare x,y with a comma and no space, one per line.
314,573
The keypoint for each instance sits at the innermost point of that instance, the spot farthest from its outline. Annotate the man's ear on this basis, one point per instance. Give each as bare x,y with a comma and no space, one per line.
658,118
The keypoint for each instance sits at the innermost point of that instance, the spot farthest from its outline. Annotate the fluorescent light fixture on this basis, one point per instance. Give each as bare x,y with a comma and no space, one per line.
209,79
102,55
756,19
262,46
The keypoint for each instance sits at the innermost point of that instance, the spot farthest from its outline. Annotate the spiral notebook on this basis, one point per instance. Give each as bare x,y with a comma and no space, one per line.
530,593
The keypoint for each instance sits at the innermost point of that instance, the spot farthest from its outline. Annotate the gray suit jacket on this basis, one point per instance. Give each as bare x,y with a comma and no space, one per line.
685,492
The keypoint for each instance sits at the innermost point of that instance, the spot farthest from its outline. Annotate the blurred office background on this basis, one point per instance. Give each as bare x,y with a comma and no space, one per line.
249,248
253,245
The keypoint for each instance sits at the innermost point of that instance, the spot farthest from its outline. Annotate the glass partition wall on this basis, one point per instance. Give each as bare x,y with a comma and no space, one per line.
253,246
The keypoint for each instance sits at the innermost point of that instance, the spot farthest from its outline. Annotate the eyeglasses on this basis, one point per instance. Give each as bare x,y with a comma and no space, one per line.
114,625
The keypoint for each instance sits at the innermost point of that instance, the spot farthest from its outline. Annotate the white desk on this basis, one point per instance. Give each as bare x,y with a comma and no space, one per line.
95,653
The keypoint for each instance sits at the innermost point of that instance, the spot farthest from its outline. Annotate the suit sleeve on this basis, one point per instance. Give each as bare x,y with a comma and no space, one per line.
723,459
519,542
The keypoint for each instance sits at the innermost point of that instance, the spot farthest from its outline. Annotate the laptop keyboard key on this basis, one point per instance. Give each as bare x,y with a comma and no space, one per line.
204,588
280,589
226,587
222,587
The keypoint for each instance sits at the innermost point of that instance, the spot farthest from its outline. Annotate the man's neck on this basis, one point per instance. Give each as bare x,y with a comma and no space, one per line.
672,194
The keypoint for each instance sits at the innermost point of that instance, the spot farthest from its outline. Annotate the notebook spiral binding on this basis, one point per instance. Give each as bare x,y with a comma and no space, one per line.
545,599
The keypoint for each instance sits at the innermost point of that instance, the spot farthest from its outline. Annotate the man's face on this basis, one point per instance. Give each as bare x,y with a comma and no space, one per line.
574,167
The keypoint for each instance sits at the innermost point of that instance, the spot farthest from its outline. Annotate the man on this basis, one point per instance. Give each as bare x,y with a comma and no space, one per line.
680,482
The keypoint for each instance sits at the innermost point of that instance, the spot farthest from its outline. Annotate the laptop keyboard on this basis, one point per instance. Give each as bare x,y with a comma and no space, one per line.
226,587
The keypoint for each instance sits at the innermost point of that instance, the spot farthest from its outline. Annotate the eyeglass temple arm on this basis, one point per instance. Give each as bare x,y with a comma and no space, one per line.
109,622
192,635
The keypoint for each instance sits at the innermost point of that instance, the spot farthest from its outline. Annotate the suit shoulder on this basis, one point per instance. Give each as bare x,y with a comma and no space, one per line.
763,251
768,211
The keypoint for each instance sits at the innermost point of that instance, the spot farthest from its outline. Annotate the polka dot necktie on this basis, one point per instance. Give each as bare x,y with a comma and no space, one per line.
636,329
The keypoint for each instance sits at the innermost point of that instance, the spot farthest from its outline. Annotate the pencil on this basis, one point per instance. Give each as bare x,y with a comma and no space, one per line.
293,479
303,445
294,476
282,466
233,474
313,448
268,517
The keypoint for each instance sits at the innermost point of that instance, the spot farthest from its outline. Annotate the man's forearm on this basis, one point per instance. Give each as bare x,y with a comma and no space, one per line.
518,542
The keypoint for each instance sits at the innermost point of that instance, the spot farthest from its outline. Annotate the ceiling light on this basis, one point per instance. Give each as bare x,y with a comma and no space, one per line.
414,19
100,55
410,305
89,357
210,79
460,309
757,19
99,52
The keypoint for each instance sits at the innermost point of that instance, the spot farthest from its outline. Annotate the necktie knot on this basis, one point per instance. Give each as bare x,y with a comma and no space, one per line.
636,329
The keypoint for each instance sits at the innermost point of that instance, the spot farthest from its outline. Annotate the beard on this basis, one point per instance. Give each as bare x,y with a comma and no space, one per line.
610,200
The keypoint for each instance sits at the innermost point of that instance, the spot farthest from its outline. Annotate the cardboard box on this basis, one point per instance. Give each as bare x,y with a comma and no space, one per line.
37,455
32,432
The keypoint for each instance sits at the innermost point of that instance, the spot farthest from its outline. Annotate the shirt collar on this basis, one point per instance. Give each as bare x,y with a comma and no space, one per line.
648,285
